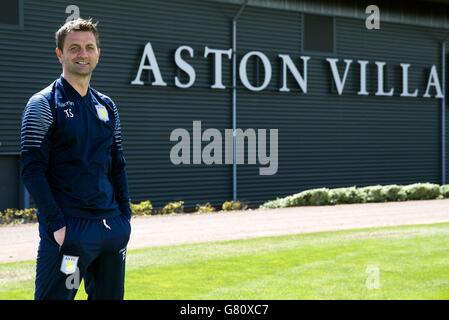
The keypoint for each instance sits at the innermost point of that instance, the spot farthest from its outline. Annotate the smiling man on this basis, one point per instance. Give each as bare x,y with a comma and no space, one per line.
74,168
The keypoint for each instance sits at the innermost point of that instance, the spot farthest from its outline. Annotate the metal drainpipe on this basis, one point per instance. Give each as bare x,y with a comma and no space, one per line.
443,112
234,101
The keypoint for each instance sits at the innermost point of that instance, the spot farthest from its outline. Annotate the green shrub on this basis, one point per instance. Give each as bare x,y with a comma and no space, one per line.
233,205
374,194
444,190
394,192
422,191
312,197
324,196
173,207
273,204
317,197
347,195
294,200
144,208
16,216
204,208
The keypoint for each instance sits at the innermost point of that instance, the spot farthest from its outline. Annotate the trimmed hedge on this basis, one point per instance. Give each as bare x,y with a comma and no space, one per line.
347,195
173,207
144,208
15,216
394,192
374,193
233,205
312,197
324,196
204,208
444,191
422,191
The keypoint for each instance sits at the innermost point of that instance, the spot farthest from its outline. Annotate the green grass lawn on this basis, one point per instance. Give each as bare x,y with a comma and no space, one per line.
413,263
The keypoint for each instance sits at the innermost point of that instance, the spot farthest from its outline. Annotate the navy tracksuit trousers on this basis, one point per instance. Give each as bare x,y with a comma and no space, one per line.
96,248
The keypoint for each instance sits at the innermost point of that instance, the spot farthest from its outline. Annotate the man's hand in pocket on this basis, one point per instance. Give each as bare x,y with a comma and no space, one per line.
59,236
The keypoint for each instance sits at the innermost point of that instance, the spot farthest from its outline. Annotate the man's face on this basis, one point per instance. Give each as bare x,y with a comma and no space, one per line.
80,53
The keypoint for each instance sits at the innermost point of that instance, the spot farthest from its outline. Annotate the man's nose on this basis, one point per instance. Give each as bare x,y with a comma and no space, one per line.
82,53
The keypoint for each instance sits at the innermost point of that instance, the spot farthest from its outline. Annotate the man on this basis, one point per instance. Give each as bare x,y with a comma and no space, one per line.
73,166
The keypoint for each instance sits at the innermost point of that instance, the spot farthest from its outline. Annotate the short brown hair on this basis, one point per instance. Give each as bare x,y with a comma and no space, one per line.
76,25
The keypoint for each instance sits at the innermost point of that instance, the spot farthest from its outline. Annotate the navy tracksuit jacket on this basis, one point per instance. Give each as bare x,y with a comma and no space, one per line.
73,166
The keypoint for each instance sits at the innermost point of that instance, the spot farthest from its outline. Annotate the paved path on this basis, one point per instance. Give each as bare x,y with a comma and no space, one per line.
20,242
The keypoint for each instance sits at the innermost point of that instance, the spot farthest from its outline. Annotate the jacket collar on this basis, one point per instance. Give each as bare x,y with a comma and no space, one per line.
72,91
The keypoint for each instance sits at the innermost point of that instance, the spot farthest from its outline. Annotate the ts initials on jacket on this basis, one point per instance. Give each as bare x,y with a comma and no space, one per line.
72,156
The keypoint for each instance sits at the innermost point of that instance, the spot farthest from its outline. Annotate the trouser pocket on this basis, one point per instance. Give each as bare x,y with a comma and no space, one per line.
82,237
46,235
66,245
117,231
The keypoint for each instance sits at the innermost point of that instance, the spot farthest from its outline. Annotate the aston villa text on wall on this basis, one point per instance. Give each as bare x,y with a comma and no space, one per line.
288,66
